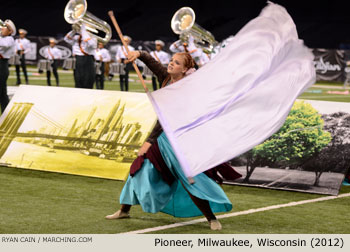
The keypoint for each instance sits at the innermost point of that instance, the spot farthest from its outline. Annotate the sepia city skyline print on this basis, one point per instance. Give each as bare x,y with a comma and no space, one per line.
78,131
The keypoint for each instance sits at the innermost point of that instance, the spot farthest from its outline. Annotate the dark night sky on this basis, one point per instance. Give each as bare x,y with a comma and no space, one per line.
322,24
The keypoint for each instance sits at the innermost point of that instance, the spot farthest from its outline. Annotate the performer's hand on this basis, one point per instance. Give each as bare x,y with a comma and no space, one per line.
144,148
133,55
75,27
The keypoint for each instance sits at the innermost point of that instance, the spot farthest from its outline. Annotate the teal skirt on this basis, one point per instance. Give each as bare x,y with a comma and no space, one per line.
148,189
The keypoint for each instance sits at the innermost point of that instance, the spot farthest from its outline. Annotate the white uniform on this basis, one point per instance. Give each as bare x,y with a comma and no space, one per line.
161,56
7,47
102,55
122,53
83,47
52,53
23,44
204,58
81,44
197,53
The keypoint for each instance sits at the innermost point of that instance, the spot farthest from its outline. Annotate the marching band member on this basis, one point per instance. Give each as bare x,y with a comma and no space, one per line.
197,53
121,57
83,47
101,56
160,56
53,54
22,48
7,50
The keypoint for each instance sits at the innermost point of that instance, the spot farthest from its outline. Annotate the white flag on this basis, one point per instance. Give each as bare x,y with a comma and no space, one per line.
238,99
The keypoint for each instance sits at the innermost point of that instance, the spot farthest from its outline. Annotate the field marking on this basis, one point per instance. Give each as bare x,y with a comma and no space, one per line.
323,97
329,87
250,211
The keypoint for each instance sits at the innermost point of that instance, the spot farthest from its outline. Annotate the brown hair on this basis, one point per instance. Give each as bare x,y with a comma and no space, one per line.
188,63
188,60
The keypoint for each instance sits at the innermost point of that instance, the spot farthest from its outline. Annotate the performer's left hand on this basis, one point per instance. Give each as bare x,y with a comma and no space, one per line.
133,55
144,148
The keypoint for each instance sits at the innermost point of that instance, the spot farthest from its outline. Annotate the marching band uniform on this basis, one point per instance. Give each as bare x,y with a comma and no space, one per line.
160,56
22,48
120,57
7,50
53,54
83,46
101,56
197,54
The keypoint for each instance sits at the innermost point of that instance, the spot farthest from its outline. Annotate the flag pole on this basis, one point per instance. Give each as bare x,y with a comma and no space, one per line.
116,26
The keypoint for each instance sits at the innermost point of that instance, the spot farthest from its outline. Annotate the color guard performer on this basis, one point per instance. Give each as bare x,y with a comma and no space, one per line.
101,56
7,50
83,46
121,56
160,56
53,54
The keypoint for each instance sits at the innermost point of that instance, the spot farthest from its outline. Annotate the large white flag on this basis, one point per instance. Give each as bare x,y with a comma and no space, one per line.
241,97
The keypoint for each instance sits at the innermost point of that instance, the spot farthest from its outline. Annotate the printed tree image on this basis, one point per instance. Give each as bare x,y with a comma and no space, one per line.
300,137
335,156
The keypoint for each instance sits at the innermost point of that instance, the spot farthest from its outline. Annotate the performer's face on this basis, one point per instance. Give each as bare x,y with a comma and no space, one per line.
22,35
176,65
5,31
158,47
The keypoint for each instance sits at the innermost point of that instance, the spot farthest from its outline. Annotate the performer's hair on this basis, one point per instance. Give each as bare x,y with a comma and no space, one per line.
188,60
188,63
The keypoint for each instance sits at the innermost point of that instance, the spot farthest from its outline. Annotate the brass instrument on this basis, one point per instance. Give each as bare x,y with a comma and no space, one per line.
76,14
183,23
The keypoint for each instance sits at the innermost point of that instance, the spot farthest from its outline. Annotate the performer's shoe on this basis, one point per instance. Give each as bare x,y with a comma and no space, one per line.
118,215
215,225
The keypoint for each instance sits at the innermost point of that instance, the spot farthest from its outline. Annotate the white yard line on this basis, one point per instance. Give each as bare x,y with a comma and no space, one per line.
250,211
323,97
330,86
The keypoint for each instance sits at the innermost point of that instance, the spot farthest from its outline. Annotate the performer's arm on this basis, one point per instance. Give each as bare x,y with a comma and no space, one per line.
46,54
59,54
69,38
90,42
176,46
156,67
118,54
107,56
27,47
157,130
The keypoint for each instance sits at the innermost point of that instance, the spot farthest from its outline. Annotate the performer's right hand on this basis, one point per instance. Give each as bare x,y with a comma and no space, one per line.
144,148
132,55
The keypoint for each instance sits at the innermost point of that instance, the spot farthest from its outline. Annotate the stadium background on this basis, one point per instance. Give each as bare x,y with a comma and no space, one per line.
34,201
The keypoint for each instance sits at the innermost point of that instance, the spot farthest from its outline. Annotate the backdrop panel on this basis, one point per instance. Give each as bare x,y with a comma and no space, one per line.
77,131
292,160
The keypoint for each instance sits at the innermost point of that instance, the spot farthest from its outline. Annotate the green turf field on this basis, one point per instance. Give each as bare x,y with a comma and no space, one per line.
43,202
36,202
